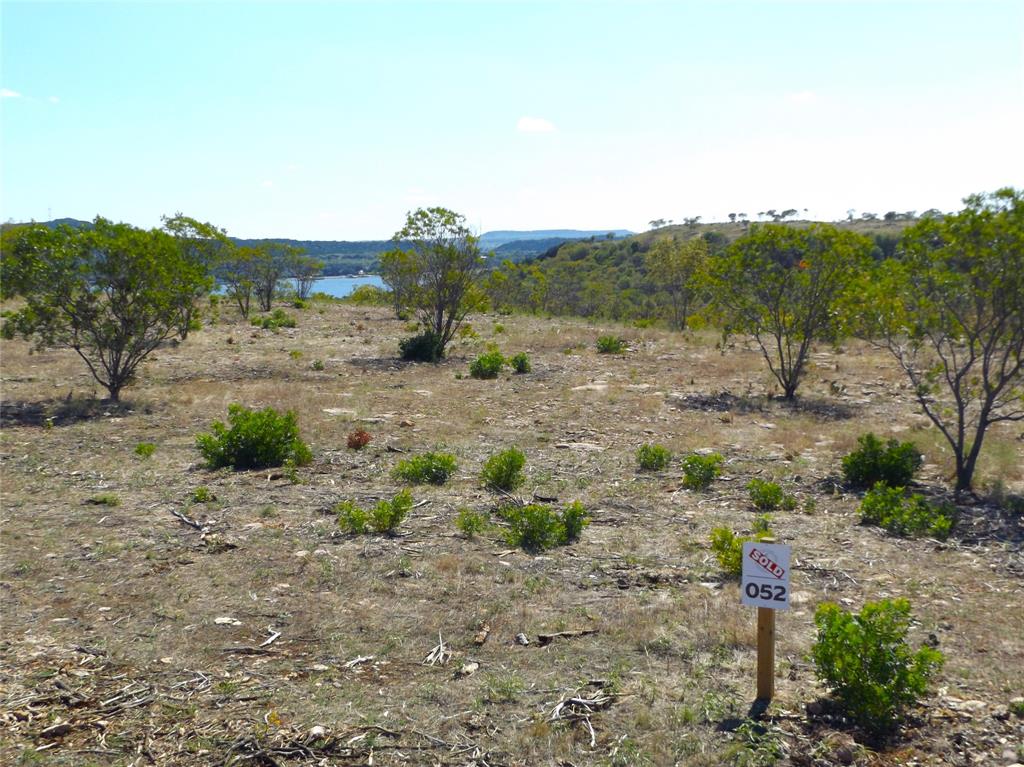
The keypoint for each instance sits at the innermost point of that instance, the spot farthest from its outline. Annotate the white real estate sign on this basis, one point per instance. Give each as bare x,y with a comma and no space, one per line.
765,581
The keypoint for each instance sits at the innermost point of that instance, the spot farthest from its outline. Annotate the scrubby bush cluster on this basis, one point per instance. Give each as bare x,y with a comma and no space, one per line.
278,318
422,347
893,462
769,496
653,457
255,439
867,662
432,468
537,527
611,345
699,471
487,365
504,470
908,516
727,546
520,363
384,517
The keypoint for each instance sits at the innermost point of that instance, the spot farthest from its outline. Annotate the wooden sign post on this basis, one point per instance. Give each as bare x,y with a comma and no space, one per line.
765,585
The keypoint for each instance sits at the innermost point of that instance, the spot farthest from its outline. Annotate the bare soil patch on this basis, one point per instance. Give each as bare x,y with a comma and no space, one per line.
142,627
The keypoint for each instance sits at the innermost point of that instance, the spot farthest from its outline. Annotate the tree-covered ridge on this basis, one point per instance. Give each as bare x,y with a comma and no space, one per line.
619,279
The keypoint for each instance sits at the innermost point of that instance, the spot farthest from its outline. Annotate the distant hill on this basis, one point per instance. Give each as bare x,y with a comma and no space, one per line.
494,240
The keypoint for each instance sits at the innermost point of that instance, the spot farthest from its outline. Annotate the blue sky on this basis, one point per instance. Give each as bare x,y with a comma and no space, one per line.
330,120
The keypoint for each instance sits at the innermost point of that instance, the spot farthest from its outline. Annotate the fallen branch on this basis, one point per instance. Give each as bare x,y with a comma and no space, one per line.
546,639
439,655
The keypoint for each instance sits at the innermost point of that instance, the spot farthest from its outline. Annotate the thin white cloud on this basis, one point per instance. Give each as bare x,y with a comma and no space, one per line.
801,97
534,125
7,93
267,184
53,100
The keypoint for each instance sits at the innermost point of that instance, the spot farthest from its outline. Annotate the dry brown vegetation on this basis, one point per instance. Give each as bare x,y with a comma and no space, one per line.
248,629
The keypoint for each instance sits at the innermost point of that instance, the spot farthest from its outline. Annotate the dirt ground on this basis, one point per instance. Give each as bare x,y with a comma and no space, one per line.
140,626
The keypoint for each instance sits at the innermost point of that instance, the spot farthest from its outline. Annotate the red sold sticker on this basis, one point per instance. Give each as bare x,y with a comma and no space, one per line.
767,563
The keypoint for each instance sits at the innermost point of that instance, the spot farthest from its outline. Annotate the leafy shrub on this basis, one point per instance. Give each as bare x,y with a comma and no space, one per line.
298,303
893,463
276,319
537,527
105,499
471,523
610,345
498,328
727,546
520,363
866,661
574,519
766,496
384,517
369,295
504,470
145,449
430,468
653,457
889,507
352,518
699,471
317,365
358,439
487,365
423,347
295,354
202,494
255,440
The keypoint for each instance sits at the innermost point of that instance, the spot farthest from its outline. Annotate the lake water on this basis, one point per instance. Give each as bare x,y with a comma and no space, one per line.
339,287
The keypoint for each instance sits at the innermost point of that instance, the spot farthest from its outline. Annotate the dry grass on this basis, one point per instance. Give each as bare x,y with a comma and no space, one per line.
103,601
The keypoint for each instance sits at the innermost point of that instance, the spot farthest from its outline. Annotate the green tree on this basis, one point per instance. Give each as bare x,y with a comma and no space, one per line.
782,285
236,271
399,271
950,310
200,244
304,270
113,293
446,264
674,266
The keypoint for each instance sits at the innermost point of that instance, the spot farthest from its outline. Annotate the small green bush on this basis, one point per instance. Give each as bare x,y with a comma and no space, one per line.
384,517
352,518
423,347
471,523
891,508
498,328
893,463
653,457
369,295
520,363
537,527
727,546
105,499
867,662
504,470
202,494
766,496
429,468
317,365
574,519
145,449
699,471
276,319
610,345
255,440
487,365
